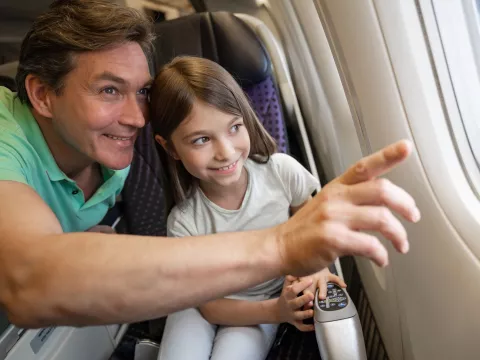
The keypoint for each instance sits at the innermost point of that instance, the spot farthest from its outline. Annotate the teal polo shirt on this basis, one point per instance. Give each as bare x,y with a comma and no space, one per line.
26,158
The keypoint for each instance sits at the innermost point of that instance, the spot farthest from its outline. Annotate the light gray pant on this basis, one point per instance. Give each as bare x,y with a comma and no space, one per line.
188,336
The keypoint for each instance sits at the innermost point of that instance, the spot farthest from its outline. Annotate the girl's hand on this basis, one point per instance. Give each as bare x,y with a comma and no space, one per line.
289,304
320,281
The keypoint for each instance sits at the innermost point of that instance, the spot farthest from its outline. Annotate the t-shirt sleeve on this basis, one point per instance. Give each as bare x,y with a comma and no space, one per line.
178,224
297,181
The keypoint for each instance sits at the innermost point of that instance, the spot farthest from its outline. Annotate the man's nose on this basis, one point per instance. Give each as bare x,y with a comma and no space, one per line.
134,113
224,150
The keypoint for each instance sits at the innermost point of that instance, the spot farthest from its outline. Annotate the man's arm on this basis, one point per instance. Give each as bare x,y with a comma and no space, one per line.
47,277
294,209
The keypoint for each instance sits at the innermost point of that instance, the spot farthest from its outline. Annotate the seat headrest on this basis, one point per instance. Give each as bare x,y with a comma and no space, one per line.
218,36
8,82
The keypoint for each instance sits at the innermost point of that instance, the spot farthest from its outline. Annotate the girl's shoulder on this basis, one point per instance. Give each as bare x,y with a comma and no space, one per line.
181,221
275,160
282,159
184,211
279,164
275,171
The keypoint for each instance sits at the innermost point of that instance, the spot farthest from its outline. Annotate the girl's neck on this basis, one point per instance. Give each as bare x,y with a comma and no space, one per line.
227,197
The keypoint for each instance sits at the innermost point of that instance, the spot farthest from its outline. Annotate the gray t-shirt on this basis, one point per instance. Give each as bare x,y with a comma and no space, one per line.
272,189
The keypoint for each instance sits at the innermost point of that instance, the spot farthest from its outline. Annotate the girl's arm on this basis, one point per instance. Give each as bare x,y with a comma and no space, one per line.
232,312
286,308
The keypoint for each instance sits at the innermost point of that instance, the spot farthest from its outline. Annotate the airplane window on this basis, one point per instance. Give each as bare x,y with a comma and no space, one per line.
458,24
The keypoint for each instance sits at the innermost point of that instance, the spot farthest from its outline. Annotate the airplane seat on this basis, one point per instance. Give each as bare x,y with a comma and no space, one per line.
8,82
144,202
229,40
225,39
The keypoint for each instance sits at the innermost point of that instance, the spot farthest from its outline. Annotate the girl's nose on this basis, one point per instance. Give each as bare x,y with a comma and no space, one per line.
224,150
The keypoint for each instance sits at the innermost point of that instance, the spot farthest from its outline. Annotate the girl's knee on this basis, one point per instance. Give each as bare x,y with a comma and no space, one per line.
250,342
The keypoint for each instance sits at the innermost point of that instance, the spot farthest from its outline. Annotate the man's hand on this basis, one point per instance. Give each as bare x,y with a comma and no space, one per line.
289,304
330,224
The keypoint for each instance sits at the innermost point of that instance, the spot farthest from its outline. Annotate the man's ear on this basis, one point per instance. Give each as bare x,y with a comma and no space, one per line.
170,150
39,95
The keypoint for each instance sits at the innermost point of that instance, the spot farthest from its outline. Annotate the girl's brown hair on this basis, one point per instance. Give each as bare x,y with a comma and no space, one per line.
175,89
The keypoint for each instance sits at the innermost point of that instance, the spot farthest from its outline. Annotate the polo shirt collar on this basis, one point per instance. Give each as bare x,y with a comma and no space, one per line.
35,137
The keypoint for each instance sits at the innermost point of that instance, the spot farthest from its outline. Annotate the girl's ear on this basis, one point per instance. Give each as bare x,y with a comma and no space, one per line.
164,143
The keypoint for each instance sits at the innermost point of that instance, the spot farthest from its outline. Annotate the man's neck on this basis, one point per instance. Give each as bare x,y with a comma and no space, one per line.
85,172
68,159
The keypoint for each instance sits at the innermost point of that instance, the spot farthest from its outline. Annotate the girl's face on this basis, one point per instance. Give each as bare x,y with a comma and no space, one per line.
212,145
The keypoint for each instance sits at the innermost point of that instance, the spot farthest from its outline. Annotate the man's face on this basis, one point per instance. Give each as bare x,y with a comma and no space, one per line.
103,104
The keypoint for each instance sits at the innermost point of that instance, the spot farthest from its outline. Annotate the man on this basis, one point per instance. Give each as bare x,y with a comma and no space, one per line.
66,142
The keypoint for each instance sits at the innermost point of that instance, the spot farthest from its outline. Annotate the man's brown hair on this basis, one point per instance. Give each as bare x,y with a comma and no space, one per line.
71,27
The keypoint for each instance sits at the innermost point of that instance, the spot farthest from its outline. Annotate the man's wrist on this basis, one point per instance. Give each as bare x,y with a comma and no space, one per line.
273,254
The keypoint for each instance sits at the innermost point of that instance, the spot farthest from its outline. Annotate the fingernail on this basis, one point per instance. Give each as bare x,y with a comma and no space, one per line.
405,247
416,216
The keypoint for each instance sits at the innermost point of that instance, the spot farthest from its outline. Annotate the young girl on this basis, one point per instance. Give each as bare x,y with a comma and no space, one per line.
224,176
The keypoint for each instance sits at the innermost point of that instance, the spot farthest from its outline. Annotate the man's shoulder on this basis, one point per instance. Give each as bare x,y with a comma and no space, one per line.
7,97
16,152
9,114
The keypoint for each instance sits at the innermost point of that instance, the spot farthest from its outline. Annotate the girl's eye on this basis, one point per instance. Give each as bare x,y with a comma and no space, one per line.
201,141
235,128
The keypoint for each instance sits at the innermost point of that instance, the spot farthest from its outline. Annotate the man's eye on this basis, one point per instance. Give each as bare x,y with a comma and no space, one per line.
110,91
144,91
201,141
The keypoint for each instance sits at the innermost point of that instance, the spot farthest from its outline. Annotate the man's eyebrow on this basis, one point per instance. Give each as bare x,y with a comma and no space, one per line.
106,75
148,83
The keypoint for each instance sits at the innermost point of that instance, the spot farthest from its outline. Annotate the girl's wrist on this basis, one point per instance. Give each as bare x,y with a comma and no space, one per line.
272,310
